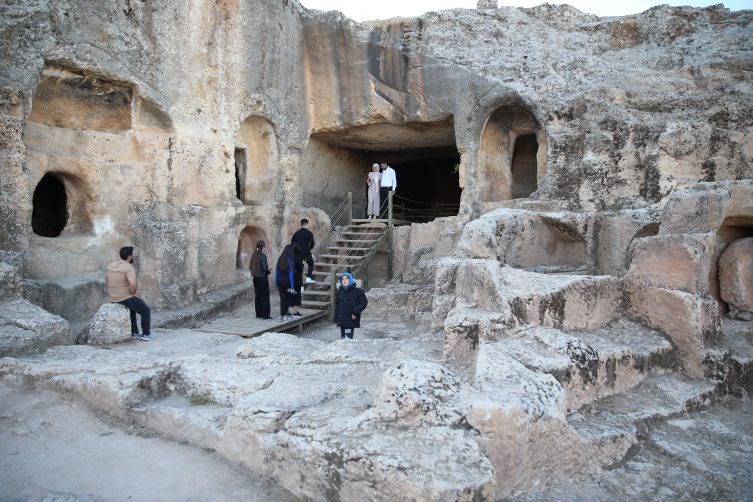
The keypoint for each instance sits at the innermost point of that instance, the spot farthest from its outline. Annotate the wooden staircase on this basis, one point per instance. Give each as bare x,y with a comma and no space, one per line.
351,253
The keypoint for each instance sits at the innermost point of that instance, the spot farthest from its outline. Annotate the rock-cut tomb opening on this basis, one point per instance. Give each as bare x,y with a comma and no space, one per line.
49,207
425,158
512,158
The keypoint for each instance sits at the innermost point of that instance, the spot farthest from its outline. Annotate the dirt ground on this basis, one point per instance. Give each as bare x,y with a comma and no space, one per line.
55,448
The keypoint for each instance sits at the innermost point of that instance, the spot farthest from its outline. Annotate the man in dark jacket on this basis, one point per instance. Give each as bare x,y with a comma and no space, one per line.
305,240
349,303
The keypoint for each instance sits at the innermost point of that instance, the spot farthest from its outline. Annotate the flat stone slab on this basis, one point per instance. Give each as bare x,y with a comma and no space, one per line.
28,329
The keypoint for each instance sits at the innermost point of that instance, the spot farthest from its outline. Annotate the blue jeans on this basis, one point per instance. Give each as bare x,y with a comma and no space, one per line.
140,307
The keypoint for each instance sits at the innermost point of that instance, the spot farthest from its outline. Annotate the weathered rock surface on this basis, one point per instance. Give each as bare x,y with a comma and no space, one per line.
111,324
384,417
28,329
11,283
623,116
72,298
736,276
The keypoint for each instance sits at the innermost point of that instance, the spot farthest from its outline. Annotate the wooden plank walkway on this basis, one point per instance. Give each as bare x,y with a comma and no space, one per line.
247,326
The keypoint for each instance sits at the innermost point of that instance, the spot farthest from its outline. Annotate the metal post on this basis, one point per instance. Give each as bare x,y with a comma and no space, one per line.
366,278
332,295
350,208
390,228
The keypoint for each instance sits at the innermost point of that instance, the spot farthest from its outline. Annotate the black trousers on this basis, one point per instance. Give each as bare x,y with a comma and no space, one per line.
140,307
310,262
285,300
383,194
261,300
347,332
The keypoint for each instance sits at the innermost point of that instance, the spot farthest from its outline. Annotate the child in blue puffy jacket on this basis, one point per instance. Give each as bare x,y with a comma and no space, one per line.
349,303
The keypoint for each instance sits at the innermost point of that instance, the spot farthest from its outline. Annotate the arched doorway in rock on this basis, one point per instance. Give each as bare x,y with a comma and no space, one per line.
512,157
256,161
246,244
49,207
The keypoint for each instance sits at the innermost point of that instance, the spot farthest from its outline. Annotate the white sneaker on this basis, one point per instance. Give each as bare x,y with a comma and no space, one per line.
309,279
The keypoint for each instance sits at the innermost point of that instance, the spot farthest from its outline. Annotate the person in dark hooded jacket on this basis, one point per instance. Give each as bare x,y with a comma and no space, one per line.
349,303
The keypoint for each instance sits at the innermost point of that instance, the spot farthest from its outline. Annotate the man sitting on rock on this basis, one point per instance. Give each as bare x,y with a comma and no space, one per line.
121,279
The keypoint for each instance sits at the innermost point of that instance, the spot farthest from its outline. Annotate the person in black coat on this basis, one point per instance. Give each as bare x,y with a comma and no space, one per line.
284,282
260,272
305,240
295,300
349,303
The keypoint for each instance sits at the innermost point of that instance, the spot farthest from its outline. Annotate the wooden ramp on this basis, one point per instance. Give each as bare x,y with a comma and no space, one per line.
248,326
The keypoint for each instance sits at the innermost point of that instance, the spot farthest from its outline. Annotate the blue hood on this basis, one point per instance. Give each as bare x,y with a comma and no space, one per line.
352,282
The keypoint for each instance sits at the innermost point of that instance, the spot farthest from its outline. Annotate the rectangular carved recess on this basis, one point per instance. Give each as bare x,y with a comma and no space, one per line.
74,100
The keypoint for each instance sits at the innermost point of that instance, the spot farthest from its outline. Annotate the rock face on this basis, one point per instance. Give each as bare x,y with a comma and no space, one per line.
11,283
111,324
602,166
736,276
28,329
590,105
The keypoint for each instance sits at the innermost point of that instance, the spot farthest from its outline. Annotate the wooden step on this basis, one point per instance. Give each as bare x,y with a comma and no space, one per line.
317,283
361,220
338,248
316,293
338,271
372,231
313,304
340,257
361,241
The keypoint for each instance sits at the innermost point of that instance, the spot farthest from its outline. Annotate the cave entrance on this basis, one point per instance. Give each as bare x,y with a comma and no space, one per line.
240,174
428,185
256,161
524,166
512,157
49,207
424,156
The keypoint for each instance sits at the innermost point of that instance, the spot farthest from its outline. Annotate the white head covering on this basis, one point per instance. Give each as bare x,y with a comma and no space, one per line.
375,165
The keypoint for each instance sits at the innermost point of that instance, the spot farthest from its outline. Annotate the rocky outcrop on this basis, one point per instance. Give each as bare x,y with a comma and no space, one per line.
111,324
11,283
28,329
736,278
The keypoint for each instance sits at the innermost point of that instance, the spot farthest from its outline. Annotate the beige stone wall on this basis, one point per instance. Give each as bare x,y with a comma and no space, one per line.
328,173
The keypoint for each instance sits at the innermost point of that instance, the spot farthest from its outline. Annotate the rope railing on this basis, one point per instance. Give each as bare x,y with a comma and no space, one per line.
425,203
318,238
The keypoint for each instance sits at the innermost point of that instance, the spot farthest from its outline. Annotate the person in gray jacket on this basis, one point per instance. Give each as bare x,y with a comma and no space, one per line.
260,271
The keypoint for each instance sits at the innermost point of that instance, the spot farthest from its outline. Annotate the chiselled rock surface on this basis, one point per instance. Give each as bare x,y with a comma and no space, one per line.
11,283
28,329
736,276
111,324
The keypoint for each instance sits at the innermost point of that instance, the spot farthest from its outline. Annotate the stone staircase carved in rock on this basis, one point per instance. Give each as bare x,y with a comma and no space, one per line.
352,251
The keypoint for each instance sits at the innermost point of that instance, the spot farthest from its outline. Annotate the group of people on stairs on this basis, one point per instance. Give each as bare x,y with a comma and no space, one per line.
349,299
